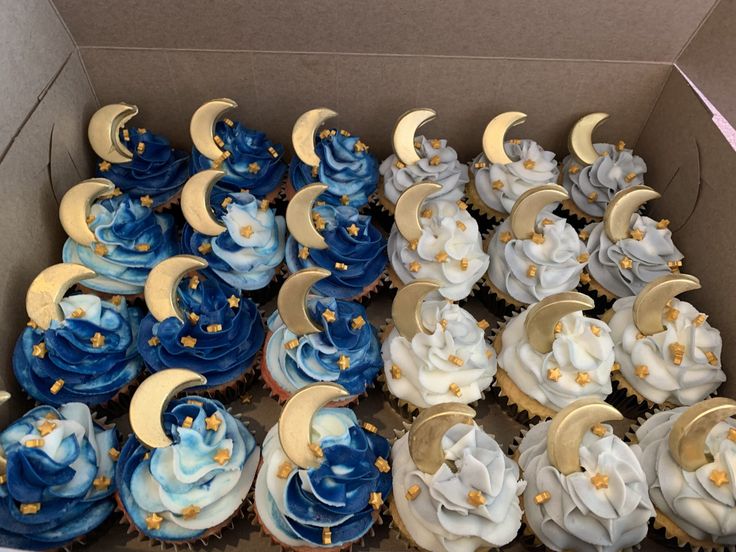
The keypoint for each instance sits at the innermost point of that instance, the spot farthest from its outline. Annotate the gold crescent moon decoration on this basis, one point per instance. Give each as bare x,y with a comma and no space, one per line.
406,309
625,203
202,126
405,130
652,300
49,287
195,202
494,136
408,207
150,400
580,141
103,132
299,216
292,300
295,422
75,205
690,430
569,426
523,218
427,430
161,285
302,135
543,317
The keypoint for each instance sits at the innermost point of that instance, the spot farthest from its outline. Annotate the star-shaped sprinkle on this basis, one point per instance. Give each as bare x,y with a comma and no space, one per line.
529,164
554,374
464,263
56,387
592,196
353,230
360,147
542,497
284,470
100,249
329,315
213,422
147,201
435,160
599,430
101,483
641,371
595,330
316,450
246,231
303,253
39,350
413,492
113,453
205,248
637,234
497,185
436,143
30,508
599,481
105,166
326,535
382,465
46,427
344,200
222,457
395,372
97,340
662,224
358,322
233,301
505,237
343,362
718,477
454,388
414,266
582,379
626,263
574,169
190,512
476,498
253,168
153,521
441,257
154,341
188,341
376,501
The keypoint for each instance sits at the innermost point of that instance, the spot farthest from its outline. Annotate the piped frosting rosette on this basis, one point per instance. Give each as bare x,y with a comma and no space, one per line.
58,474
454,488
586,490
324,478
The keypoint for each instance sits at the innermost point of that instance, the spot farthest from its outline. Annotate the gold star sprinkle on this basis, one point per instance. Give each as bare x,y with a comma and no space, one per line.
140,148
382,465
718,477
370,427
246,231
344,200
414,266
343,362
34,443
101,483
246,399
146,201
529,164
599,481
46,427
153,522
326,535
592,196
205,248
476,498
399,164
284,470
461,225
629,177
435,160
376,501
441,257
582,379
263,205
293,344
547,222
253,168
596,330
113,453
190,512
542,497
329,315
672,314
341,266
731,436
100,249
554,374
712,358
454,388
225,202
104,166
413,244
598,430
39,350
325,134
626,263
584,235
677,350
359,147
641,371
456,360
480,165
357,323
353,230
316,450
315,172
662,224
413,492
154,341
233,301
303,253
620,145
117,192
674,266
537,238
583,258
97,340
505,237
30,509
497,185
213,422
395,372
464,263
531,271
435,143
142,247
188,341
558,327
193,317
699,320
483,324
187,423
462,205
222,456
195,403
427,213
574,169
584,278
229,122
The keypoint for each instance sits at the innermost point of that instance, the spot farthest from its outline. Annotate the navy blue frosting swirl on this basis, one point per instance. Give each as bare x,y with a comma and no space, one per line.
223,354
69,479
156,170
91,375
364,254
345,167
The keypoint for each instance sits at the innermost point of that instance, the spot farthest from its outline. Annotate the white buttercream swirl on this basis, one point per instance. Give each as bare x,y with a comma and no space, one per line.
694,379
426,368
578,516
696,504
440,518
451,230
531,166
558,261
552,378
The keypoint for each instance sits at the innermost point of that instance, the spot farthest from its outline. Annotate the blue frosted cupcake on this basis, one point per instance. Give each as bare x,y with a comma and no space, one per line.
59,479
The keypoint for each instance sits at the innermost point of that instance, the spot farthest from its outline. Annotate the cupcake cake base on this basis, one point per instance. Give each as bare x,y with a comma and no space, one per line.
668,531
483,213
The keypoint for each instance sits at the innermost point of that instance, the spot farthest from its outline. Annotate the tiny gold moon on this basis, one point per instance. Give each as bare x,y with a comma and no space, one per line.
408,207
650,303
406,310
299,217
75,205
49,287
568,427
427,430
523,218
104,132
302,135
494,136
292,300
195,202
543,317
580,141
617,218
405,130
295,422
150,400
202,126
161,286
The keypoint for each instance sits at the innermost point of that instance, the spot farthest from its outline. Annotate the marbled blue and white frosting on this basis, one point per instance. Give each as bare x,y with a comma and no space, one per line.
131,240
184,483
345,167
158,171
316,357
363,253
255,163
224,352
295,509
71,477
247,262
90,375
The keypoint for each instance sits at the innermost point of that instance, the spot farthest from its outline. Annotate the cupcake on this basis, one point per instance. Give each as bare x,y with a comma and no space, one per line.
87,352
628,250
436,240
338,239
324,477
338,159
315,339
200,324
439,356
140,163
183,478
688,457
593,173
419,159
57,479
585,489
454,488
118,237
667,352
248,159
507,168
550,355
244,245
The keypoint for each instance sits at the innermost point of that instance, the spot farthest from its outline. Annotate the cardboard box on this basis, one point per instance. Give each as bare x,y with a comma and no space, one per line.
370,61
